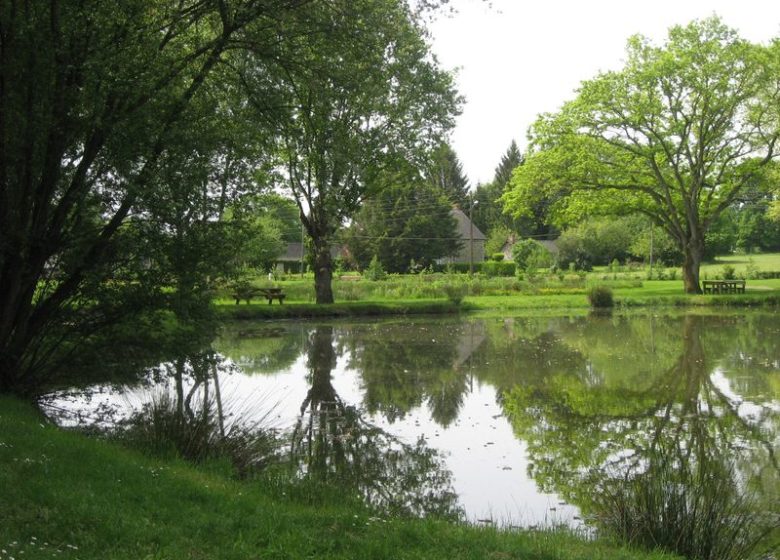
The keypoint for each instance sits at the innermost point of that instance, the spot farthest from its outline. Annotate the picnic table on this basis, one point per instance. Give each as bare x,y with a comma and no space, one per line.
247,293
272,294
723,286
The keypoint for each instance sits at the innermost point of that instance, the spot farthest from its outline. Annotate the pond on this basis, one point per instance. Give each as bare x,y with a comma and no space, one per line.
521,421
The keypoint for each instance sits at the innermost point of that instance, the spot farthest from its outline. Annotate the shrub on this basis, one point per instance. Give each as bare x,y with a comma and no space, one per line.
600,297
728,272
497,257
527,251
455,292
375,271
494,268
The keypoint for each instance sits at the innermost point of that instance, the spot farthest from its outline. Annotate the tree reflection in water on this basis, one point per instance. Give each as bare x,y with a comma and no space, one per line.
332,443
673,462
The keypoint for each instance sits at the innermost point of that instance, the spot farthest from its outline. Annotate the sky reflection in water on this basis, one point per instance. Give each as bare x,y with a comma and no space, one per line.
531,415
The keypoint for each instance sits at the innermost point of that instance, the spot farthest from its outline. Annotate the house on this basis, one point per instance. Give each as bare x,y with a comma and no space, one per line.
469,234
471,237
290,260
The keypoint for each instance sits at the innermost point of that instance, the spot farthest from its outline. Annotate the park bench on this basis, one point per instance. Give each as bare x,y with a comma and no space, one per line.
723,286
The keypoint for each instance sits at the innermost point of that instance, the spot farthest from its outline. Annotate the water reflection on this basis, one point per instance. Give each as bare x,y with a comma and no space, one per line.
530,413
332,442
681,425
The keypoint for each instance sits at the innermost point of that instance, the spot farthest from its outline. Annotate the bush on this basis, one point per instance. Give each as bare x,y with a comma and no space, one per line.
528,252
494,268
728,272
375,271
497,257
600,297
455,292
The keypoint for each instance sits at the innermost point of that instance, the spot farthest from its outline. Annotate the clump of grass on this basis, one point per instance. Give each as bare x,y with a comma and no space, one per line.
600,297
698,512
165,428
455,292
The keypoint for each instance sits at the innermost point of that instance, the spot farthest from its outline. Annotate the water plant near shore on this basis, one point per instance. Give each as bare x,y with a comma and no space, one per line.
700,511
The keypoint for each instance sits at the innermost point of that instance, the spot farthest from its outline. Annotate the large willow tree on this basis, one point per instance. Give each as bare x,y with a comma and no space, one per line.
677,135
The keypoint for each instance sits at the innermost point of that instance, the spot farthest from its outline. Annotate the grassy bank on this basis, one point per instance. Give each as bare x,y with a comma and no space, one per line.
436,294
63,495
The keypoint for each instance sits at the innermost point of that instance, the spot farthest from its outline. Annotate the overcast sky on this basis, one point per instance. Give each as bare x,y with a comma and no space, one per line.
520,58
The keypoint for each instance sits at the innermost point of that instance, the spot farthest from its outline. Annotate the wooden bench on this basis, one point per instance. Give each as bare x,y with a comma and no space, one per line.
272,294
723,286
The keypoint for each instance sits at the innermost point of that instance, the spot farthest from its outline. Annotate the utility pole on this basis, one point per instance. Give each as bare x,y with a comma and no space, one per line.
471,234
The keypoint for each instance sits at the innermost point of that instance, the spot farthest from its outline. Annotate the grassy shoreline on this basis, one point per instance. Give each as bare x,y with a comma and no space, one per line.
64,495
761,293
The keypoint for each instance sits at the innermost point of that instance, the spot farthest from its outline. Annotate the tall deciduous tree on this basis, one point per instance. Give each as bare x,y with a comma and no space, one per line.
92,98
362,95
677,135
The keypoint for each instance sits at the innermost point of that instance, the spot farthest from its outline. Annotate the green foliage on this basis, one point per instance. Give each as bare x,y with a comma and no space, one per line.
529,253
445,173
600,297
497,268
497,257
498,237
375,271
353,112
490,215
597,242
728,272
613,151
162,430
455,292
408,220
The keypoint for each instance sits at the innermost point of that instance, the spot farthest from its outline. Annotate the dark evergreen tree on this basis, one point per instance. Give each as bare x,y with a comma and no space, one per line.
446,173
509,161
489,212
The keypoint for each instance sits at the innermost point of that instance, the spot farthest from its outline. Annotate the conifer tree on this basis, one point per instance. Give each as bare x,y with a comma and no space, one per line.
446,173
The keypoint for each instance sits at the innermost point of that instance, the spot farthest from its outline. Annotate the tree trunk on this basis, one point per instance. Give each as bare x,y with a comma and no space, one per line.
692,257
323,273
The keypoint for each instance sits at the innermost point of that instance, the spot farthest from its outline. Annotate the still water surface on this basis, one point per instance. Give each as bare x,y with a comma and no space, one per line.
517,421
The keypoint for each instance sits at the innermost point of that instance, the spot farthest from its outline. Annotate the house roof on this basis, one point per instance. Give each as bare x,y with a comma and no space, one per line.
294,251
464,226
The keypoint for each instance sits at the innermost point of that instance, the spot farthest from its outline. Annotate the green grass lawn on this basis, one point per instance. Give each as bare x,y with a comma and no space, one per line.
762,262
64,495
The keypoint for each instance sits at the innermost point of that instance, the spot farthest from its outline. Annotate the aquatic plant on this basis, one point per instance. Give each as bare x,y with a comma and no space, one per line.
700,511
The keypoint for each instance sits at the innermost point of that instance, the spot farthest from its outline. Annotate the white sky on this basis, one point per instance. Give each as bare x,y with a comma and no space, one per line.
520,58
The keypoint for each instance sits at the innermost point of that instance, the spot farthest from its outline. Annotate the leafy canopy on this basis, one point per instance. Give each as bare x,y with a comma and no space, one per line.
676,134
